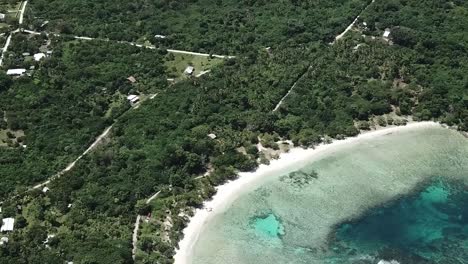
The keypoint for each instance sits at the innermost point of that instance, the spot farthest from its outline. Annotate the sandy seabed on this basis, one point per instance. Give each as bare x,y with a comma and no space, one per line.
230,191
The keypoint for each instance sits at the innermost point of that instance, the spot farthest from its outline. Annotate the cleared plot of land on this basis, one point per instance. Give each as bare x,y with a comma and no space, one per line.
177,63
10,9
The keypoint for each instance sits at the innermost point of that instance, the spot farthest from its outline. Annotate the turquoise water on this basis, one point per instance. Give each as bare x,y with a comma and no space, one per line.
401,196
268,227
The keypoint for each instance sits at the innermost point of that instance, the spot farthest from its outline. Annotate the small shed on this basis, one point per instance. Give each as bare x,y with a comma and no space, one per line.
45,189
189,70
2,16
48,239
131,79
14,72
212,136
26,54
39,56
44,23
133,98
160,36
3,241
386,33
8,224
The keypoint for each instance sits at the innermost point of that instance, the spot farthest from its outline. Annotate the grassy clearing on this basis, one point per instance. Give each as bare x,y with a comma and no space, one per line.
10,9
176,64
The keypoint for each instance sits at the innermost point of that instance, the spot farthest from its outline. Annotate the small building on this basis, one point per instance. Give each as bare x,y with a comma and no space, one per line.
189,70
26,54
16,72
386,33
2,16
3,241
133,98
45,189
48,239
39,56
131,79
212,136
8,224
160,36
44,23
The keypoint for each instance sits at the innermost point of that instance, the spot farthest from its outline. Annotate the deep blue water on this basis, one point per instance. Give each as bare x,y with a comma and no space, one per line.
430,226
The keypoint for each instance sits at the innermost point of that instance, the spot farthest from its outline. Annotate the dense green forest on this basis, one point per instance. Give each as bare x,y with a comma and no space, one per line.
219,26
71,97
432,37
363,80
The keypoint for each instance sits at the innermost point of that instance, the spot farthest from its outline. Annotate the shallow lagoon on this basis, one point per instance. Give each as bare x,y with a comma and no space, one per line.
387,197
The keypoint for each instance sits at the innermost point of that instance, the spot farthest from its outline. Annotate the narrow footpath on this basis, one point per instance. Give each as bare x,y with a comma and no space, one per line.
5,48
291,89
25,3
8,41
351,25
338,37
136,45
72,164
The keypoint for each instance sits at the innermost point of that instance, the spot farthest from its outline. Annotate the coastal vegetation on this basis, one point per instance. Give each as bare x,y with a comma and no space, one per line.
200,132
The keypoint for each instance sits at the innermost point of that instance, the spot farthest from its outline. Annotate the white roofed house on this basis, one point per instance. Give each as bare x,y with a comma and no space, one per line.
189,70
386,33
2,16
8,224
16,72
133,98
132,79
3,241
39,56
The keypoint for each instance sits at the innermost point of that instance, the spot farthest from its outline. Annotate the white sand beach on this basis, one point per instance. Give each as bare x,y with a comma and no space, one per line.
230,191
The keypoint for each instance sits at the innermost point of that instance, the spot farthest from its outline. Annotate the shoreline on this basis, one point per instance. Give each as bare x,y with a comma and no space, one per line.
231,190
